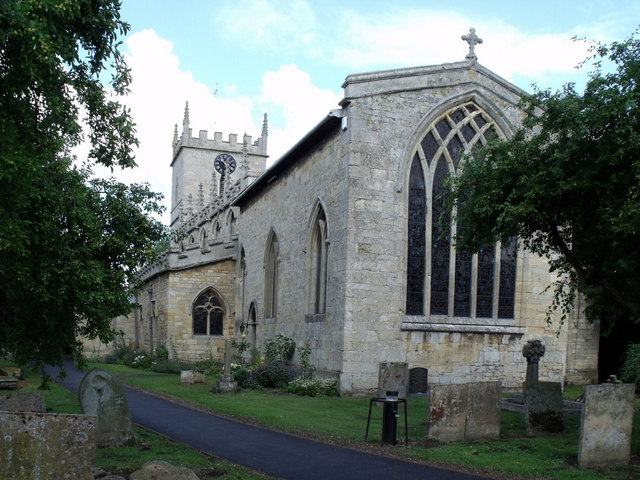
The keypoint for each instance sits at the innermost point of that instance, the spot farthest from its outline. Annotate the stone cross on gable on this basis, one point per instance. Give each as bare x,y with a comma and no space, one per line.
472,39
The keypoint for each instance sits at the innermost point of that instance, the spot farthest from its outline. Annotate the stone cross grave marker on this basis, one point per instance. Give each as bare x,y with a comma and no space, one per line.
533,351
226,383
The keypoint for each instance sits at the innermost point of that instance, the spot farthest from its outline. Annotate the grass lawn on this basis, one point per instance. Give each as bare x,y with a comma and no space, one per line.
343,421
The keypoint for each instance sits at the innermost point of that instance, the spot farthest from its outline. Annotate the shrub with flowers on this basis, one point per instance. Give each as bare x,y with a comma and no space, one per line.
142,360
313,387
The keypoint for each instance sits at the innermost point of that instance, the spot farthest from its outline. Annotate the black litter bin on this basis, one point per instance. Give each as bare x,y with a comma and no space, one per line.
389,417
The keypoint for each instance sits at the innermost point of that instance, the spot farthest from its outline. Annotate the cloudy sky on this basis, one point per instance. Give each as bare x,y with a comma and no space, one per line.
235,60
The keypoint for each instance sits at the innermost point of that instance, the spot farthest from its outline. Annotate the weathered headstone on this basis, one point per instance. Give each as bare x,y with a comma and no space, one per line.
47,445
543,408
533,351
393,376
464,412
483,410
226,383
447,412
103,396
605,430
23,402
198,376
418,381
186,377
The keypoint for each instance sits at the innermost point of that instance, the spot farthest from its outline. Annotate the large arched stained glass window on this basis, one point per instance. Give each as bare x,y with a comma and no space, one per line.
441,280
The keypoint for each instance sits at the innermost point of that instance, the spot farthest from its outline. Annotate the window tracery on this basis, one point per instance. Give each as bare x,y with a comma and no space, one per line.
441,280
207,314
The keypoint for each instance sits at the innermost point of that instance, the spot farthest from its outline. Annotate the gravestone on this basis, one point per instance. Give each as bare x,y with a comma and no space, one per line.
186,377
483,410
464,412
605,429
23,402
38,445
103,396
418,381
226,384
543,408
393,376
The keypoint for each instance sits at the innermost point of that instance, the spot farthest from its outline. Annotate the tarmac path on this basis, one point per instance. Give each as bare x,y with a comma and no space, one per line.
274,453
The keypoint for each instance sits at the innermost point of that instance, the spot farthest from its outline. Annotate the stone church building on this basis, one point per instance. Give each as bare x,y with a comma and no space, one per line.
338,243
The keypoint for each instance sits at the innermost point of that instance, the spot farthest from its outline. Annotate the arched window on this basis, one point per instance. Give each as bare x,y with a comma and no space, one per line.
271,276
207,313
318,263
231,219
441,280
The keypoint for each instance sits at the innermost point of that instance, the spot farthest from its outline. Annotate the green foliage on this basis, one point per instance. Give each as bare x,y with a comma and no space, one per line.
630,371
168,366
280,348
70,247
274,373
313,387
241,346
568,186
306,369
161,353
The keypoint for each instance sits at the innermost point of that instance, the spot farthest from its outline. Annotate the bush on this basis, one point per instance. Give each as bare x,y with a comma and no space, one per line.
241,375
630,371
271,374
162,353
280,348
313,387
168,366
142,360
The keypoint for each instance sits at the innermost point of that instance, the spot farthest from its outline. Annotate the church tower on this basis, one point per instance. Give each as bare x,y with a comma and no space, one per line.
206,170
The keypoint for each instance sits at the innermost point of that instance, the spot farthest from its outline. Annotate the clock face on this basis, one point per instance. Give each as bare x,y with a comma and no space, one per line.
224,163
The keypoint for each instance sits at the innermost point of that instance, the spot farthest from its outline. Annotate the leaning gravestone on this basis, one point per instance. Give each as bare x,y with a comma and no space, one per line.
103,396
605,430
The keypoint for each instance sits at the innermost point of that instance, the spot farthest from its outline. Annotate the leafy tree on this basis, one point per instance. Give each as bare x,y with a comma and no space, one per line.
69,246
568,185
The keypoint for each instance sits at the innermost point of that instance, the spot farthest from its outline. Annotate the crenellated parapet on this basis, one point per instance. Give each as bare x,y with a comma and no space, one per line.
218,143
206,170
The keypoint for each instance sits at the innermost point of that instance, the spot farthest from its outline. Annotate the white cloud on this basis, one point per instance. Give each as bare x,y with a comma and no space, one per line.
159,90
290,93
283,26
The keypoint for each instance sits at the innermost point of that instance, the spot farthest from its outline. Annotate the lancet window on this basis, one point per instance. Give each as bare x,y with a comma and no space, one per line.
440,279
318,264
271,277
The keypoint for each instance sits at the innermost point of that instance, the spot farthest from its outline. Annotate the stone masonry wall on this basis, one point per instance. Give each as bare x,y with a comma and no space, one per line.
287,206
387,115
